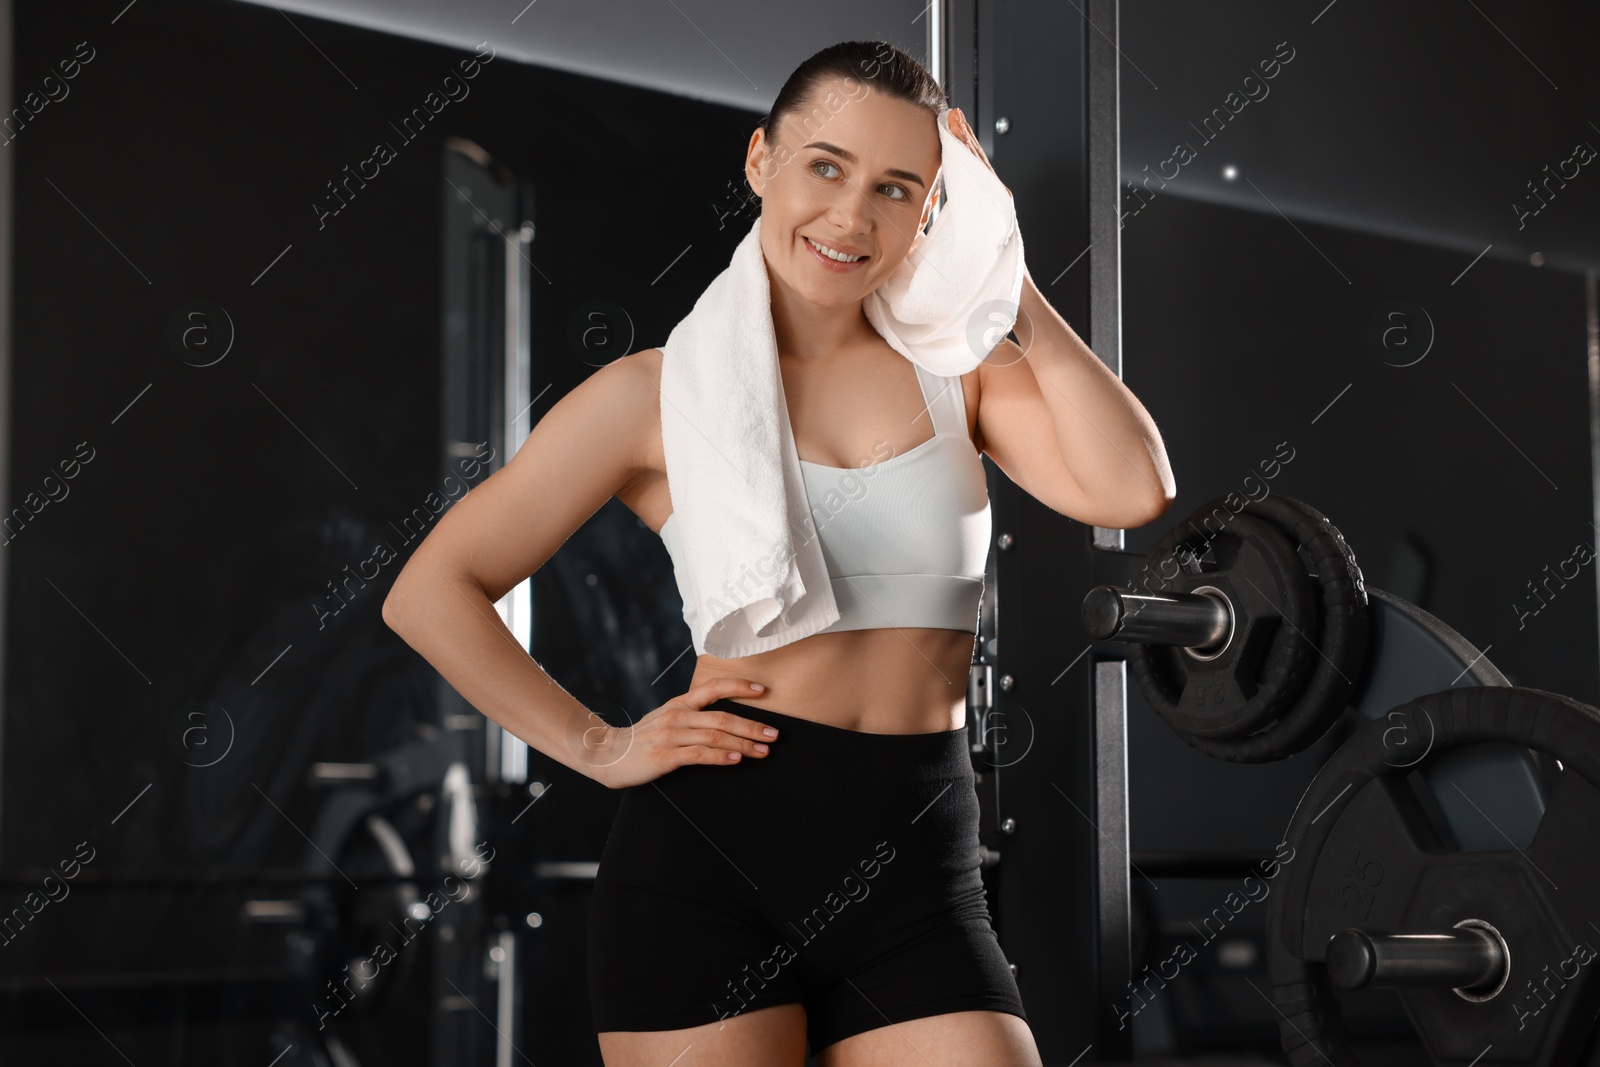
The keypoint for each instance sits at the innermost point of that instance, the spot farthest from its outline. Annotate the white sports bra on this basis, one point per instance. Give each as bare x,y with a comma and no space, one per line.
905,540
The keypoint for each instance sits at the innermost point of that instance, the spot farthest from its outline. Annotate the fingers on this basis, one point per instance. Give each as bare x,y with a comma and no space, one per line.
969,137
724,747
739,726
707,754
708,736
714,689
730,731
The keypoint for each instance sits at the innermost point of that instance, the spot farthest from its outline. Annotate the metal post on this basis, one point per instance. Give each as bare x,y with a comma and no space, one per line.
1113,918
517,606
7,241
1105,193
1592,313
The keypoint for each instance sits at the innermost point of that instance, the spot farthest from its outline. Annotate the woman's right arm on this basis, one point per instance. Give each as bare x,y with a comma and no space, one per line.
588,446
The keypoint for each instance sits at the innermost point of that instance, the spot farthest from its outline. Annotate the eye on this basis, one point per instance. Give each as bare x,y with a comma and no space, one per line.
904,195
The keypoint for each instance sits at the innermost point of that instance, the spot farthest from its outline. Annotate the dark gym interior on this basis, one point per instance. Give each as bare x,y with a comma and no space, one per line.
240,388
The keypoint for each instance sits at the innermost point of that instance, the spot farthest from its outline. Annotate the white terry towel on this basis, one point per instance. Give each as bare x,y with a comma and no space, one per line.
750,569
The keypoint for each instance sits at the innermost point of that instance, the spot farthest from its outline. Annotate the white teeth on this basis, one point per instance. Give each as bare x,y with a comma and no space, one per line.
831,254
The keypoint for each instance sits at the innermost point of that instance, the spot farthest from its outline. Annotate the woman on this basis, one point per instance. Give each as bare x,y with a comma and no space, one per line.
796,853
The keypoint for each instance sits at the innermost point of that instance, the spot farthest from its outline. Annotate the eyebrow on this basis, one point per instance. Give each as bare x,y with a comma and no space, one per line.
849,157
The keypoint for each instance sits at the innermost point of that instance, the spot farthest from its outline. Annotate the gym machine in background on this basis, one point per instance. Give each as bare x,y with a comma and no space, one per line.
1443,851
485,402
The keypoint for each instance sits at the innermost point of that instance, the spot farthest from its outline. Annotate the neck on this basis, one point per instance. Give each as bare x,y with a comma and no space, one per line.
806,330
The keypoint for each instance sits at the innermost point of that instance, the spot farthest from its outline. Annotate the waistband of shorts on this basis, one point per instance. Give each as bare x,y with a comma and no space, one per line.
832,750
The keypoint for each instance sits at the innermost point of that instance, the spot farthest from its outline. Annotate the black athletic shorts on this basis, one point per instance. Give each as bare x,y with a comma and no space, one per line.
840,872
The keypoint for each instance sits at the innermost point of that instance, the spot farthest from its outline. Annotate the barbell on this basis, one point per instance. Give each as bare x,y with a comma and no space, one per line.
1490,951
1442,851
1247,627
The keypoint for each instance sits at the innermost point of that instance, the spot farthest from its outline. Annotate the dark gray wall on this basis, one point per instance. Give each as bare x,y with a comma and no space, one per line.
1424,120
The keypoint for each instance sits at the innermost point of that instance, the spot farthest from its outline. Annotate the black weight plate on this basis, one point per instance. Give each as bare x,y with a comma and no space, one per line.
1340,654
1261,669
1366,856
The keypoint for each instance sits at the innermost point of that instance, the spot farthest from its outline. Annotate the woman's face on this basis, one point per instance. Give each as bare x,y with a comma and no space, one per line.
853,171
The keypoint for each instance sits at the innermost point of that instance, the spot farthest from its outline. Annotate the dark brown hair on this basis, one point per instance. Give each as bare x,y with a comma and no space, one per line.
879,64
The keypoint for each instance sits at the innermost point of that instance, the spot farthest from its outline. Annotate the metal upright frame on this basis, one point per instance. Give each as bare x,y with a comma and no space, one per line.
1059,875
1113,920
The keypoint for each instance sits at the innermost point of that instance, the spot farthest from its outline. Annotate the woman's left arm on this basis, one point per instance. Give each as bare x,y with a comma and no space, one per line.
1057,421
1064,428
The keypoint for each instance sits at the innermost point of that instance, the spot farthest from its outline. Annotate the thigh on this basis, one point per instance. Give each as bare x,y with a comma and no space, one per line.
953,1039
775,1036
672,942
916,941
955,968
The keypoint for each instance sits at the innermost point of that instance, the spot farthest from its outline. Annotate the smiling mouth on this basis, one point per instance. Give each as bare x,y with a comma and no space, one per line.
825,252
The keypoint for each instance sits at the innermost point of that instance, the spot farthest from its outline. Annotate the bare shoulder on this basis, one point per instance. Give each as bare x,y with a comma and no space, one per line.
628,397
623,397
647,367
595,442
642,372
643,386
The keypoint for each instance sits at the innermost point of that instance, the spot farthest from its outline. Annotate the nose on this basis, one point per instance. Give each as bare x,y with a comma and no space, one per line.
851,210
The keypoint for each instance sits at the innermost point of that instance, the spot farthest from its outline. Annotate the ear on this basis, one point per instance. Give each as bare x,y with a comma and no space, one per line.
757,157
